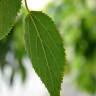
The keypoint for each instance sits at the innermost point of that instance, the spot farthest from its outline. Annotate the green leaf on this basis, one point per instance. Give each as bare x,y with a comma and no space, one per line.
8,12
45,49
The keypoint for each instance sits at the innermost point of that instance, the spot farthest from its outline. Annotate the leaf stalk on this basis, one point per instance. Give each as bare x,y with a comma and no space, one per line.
26,5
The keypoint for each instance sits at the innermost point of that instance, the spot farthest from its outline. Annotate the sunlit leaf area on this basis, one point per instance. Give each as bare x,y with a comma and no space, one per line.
76,32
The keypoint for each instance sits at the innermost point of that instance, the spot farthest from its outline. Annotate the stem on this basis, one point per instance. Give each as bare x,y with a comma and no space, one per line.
27,6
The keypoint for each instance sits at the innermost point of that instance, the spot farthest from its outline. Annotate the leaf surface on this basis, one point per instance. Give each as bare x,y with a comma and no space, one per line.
8,12
45,49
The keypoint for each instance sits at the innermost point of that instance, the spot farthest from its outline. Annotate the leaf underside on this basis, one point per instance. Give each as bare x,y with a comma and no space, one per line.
45,49
8,13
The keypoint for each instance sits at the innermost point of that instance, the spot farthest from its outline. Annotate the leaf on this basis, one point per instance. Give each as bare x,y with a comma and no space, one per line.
8,12
45,49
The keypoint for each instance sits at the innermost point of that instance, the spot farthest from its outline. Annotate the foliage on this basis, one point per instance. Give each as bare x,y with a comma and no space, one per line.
46,50
13,45
76,20
43,44
8,15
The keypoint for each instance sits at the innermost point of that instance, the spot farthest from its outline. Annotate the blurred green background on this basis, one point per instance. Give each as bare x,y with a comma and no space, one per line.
76,22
